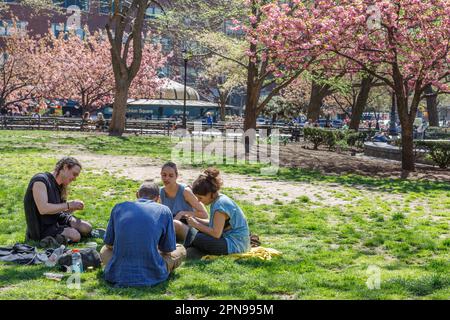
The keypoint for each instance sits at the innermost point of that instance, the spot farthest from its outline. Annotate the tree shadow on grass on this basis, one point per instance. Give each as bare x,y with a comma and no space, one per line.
134,292
22,149
11,274
350,180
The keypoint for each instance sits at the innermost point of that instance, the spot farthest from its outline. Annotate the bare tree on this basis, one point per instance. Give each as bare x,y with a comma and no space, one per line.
125,30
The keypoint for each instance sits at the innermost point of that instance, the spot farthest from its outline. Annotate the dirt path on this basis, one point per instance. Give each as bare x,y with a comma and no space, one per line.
254,190
296,155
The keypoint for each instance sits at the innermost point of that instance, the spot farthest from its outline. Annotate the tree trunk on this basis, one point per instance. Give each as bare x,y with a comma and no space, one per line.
431,98
250,119
250,115
222,112
361,101
252,97
406,121
407,146
130,17
117,125
251,107
318,93
222,105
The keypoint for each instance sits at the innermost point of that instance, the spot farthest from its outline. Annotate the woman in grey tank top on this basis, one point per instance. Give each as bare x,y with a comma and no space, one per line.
178,197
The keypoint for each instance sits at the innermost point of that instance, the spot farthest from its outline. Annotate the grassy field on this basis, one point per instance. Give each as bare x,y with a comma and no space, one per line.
327,249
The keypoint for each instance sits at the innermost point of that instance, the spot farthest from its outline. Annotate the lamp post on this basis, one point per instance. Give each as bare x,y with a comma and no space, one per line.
186,57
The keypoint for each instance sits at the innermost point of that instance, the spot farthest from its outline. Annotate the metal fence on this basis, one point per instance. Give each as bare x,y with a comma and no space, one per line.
141,127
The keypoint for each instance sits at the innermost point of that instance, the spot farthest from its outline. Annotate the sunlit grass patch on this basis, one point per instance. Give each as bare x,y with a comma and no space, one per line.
400,227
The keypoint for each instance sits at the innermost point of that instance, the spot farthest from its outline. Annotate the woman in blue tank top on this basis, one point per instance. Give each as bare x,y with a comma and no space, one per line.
179,198
226,231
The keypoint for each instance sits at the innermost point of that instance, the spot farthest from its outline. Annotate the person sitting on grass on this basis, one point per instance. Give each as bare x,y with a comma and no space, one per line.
227,230
140,246
48,213
179,198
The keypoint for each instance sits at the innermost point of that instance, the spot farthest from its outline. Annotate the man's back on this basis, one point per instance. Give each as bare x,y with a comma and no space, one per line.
136,230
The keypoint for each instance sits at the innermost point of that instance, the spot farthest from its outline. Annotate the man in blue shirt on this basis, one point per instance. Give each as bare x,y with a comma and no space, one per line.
140,246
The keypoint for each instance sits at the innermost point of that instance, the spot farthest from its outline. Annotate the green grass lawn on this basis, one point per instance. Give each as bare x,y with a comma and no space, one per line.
326,249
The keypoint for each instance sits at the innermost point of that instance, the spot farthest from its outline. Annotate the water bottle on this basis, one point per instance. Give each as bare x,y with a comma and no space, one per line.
77,263
53,259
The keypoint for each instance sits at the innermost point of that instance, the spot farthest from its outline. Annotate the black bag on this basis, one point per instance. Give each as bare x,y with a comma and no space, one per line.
90,258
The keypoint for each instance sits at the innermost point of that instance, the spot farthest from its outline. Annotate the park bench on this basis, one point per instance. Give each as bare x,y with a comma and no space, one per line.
230,130
148,127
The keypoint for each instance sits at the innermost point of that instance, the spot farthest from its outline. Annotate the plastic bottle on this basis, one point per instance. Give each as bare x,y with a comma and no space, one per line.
54,276
53,259
77,263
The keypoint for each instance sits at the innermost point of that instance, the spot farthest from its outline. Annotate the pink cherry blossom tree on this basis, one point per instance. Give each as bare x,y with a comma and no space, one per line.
271,40
18,71
76,69
403,44
146,82
80,69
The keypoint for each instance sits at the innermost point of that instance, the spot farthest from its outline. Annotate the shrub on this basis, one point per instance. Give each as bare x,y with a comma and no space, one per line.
315,136
342,144
356,139
437,133
330,138
319,136
333,138
339,134
439,151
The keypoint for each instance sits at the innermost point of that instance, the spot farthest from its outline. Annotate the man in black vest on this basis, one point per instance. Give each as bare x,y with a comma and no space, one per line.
47,211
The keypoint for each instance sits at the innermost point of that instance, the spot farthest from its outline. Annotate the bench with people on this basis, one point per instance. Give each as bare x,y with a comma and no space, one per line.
140,241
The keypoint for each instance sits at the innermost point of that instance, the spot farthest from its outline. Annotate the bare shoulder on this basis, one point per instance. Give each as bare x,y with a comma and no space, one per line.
39,185
188,192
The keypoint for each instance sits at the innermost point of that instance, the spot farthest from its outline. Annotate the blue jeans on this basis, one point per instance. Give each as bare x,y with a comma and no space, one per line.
205,243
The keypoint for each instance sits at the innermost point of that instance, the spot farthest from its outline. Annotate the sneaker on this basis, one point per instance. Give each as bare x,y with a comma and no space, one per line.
97,233
53,242
48,242
61,239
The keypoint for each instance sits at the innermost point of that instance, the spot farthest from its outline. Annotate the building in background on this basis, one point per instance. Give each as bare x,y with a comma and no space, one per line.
169,104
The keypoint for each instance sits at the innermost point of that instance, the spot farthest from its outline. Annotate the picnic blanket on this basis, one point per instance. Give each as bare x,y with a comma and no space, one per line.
257,252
